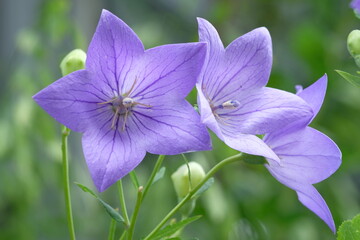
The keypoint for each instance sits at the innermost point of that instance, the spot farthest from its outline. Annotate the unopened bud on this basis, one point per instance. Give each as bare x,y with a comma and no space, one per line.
182,182
72,62
353,44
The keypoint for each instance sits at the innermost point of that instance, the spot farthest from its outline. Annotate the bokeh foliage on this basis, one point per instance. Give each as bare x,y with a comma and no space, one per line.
309,39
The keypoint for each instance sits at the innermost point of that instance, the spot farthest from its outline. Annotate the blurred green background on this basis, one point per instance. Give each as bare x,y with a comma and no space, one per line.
309,39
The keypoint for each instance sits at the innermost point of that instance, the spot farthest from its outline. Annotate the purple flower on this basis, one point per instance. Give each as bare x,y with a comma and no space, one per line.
307,156
355,4
129,101
231,95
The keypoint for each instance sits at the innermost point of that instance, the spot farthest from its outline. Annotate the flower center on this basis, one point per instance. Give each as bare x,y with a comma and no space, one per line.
228,105
231,104
121,107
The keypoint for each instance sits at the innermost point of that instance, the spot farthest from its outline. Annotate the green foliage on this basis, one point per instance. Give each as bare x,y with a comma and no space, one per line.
114,214
159,175
171,229
203,188
355,80
350,229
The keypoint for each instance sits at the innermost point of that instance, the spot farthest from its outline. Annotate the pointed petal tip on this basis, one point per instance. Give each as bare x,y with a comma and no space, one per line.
105,12
101,187
314,94
202,21
261,32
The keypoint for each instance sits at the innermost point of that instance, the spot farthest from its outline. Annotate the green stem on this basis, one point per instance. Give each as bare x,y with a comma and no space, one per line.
65,161
212,171
153,174
135,214
122,202
112,229
142,191
123,235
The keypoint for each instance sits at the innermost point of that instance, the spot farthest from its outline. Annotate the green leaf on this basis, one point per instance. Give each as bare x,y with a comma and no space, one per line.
355,80
350,229
173,228
159,175
86,189
203,188
134,180
110,210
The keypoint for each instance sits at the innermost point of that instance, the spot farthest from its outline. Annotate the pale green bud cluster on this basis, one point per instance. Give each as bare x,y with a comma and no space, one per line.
72,62
183,183
353,44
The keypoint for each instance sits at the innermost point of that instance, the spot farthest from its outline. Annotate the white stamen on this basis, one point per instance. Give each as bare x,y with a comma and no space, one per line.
127,102
231,104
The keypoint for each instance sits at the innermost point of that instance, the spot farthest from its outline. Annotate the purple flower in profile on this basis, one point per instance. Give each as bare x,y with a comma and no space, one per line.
232,97
129,101
355,4
307,156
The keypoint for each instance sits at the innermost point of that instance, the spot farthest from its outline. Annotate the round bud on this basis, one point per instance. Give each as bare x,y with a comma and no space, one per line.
353,43
181,180
75,60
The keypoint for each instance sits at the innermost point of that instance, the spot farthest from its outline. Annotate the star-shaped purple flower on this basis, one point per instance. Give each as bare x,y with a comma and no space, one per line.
233,100
129,101
307,156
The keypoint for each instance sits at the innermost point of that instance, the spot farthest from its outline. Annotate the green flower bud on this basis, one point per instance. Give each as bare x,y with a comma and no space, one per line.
353,44
182,182
75,60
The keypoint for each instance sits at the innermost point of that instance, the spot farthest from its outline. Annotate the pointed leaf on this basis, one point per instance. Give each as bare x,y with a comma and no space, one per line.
159,175
350,229
110,210
86,189
173,228
355,80
203,188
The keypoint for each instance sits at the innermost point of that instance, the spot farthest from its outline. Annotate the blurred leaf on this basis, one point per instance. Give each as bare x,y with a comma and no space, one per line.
110,210
27,40
350,229
355,80
204,187
173,228
159,175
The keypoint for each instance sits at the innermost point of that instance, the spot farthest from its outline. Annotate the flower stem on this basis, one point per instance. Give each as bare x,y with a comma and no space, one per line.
112,229
122,202
141,194
123,235
153,174
212,171
135,214
65,160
